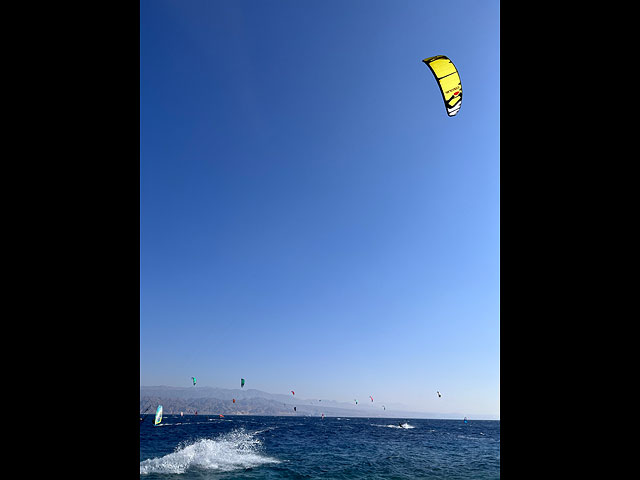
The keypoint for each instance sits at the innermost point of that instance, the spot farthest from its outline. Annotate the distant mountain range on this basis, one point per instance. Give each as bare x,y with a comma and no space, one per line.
215,401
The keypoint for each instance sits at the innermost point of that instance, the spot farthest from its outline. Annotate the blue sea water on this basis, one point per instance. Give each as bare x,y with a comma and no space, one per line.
258,447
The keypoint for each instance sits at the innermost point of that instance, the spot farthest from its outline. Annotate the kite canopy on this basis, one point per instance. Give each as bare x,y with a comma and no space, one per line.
448,80
241,382
194,381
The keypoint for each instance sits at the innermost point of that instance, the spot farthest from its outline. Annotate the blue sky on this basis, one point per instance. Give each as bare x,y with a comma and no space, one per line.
310,217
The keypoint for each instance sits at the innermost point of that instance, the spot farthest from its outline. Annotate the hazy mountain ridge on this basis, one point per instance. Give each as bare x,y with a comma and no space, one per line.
215,401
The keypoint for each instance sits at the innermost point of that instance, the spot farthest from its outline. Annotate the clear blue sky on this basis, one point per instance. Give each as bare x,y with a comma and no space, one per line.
310,217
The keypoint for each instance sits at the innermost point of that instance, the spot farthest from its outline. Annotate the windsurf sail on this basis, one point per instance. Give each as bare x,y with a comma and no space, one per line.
158,418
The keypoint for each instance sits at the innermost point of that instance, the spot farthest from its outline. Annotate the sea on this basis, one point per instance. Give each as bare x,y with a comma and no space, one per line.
263,447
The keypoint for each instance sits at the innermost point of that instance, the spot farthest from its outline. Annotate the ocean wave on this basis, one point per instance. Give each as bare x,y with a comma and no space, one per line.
232,451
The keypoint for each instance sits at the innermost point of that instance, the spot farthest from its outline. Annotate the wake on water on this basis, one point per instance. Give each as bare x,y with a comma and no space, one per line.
231,451
404,425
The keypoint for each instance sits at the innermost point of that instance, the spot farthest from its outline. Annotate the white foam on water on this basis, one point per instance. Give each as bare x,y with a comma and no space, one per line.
264,430
232,451
404,425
